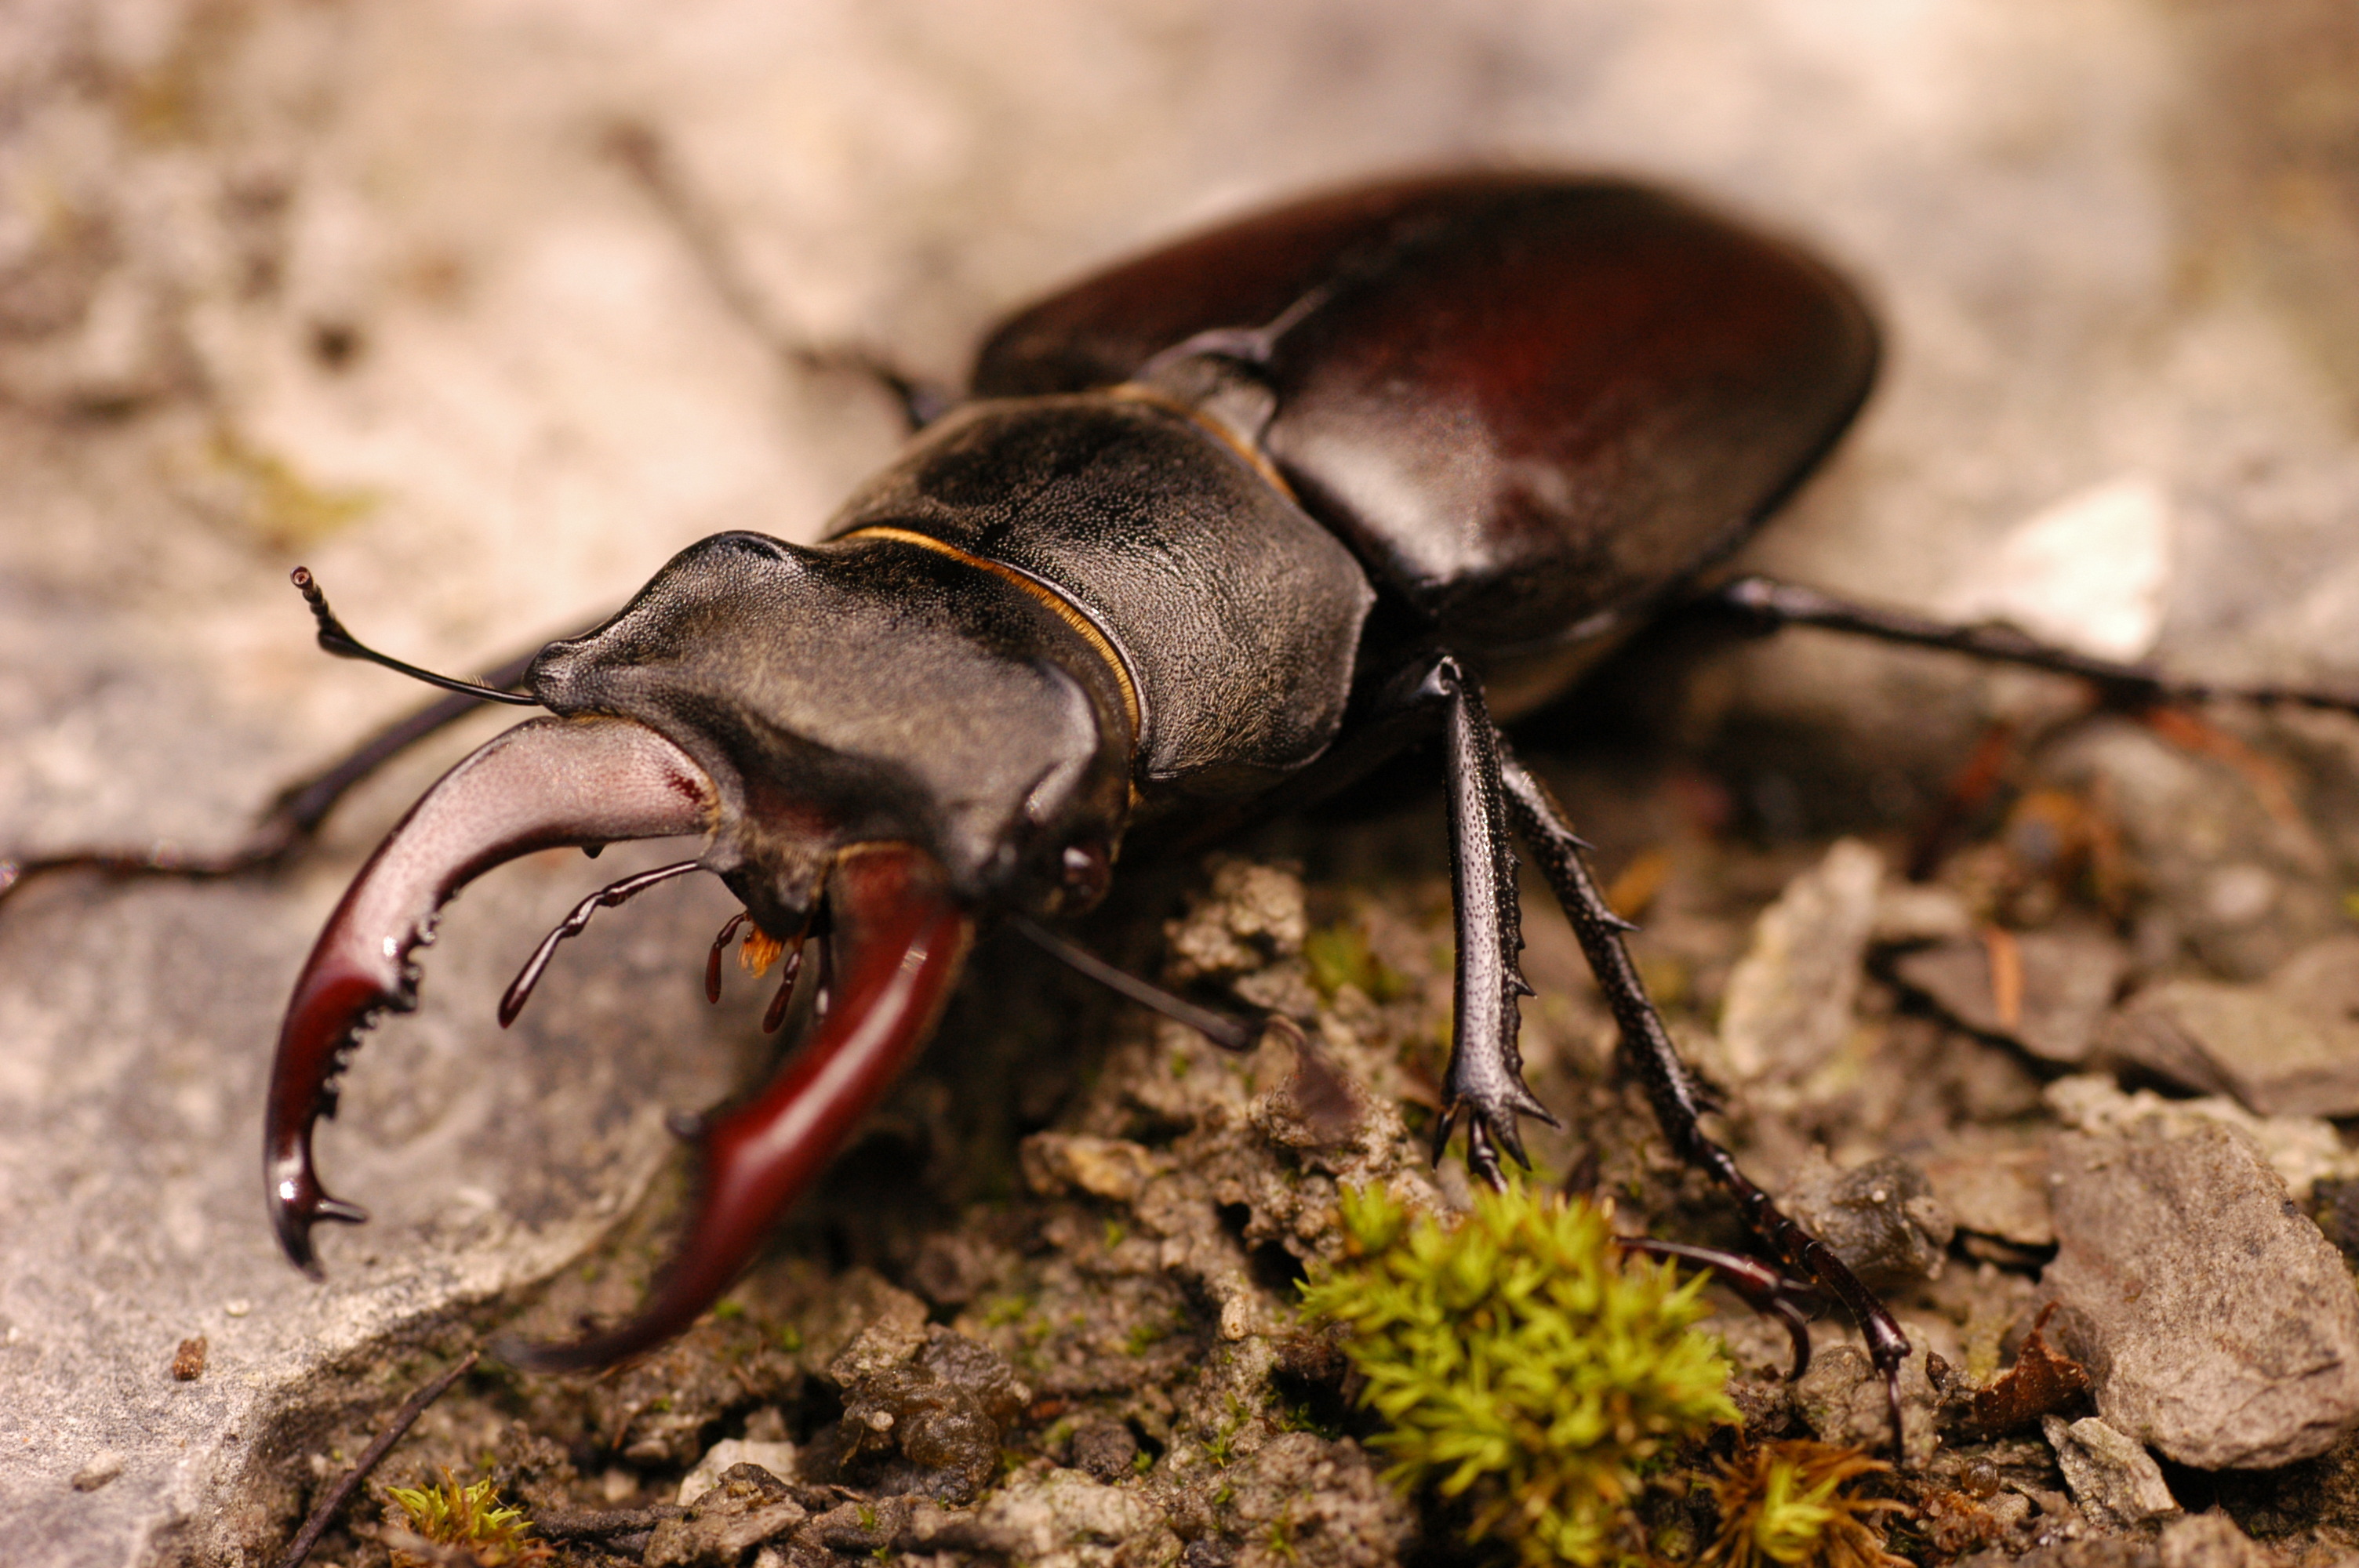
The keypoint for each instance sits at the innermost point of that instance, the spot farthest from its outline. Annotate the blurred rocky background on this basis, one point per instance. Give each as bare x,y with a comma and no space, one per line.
419,293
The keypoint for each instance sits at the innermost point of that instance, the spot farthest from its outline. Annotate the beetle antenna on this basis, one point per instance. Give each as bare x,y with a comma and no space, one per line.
1229,1033
344,645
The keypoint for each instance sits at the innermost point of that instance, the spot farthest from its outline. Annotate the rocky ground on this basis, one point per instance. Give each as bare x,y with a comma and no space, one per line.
1994,1089
395,288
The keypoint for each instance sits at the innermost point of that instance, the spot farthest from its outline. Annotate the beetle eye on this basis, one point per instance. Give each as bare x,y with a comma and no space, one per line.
1087,870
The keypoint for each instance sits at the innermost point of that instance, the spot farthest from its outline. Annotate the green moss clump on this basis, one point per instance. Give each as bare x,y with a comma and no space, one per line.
470,1517
1519,1356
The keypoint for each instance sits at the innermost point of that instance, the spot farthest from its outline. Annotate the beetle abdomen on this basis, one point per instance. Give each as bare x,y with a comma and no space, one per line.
1523,401
1234,614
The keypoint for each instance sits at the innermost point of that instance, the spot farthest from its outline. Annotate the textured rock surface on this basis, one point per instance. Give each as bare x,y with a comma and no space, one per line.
2066,980
2113,1477
1995,1184
2202,1540
746,1506
777,1459
2302,1150
2217,1324
2287,1047
1881,1218
1843,1401
1789,1000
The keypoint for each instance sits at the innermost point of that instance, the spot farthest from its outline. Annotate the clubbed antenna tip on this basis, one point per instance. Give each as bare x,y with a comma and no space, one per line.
344,645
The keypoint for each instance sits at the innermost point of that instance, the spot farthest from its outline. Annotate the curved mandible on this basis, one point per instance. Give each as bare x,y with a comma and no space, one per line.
546,783
899,942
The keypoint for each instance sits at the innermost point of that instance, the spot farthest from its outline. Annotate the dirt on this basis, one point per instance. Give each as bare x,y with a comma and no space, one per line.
1063,1331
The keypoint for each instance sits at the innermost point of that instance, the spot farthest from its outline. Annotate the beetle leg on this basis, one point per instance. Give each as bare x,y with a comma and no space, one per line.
1486,1080
901,942
1228,1034
543,784
1769,606
1679,1106
293,817
1765,1290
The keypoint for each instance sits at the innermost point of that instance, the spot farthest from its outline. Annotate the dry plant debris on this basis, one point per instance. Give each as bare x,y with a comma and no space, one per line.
1797,1504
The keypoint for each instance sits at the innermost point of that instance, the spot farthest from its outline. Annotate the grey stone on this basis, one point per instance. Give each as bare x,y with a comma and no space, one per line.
1907,914
746,1506
1994,1181
1882,1217
2223,852
1040,1516
1788,1004
2302,1150
2195,1541
777,1457
2287,1047
2217,1324
2113,1477
2071,973
2212,1541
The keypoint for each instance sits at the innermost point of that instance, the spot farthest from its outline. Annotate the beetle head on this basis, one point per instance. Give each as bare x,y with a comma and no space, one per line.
867,691
870,723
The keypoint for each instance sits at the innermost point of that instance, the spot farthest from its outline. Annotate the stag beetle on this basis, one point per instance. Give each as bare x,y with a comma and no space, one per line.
1219,528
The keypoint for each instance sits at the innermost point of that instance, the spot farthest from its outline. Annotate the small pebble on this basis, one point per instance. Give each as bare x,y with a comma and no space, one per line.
188,1361
1106,1449
237,1306
104,1467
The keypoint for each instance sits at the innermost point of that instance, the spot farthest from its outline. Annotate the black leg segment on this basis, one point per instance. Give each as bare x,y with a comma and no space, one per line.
1485,1083
1771,606
293,819
1648,1050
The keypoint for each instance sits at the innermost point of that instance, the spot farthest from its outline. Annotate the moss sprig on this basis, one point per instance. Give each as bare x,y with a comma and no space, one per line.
1521,1359
1798,1503
473,1517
